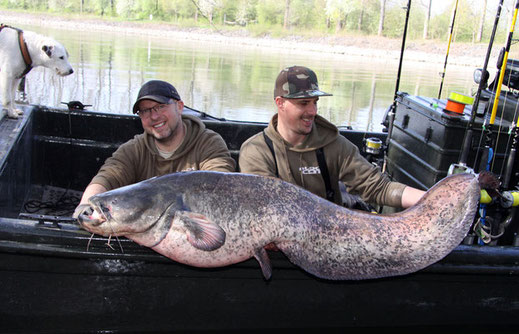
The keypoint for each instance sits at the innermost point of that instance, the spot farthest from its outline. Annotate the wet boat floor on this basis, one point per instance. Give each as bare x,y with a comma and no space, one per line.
51,201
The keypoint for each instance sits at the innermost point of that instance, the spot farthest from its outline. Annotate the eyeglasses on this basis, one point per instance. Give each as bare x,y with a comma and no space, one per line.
159,108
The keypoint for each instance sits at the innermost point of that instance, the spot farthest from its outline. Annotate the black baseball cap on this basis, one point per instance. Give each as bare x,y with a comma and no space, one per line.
297,82
156,90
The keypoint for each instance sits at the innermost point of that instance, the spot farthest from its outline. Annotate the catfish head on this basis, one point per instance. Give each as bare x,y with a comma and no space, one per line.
145,212
134,209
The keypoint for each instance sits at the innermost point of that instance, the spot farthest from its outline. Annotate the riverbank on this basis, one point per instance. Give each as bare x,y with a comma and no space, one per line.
462,54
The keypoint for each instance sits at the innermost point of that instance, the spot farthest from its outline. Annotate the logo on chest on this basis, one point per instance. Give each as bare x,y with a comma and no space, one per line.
309,170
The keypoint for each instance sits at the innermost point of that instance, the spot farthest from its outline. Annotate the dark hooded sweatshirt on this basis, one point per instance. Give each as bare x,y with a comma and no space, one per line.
299,165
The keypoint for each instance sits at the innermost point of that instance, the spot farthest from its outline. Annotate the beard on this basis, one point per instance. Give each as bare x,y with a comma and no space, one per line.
166,134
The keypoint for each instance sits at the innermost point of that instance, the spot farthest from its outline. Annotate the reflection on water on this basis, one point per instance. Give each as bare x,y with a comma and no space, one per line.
235,82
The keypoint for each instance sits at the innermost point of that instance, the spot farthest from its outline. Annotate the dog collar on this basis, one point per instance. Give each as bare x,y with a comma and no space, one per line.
23,49
25,53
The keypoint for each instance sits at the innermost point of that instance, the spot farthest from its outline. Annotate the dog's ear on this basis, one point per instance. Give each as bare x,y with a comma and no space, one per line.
47,50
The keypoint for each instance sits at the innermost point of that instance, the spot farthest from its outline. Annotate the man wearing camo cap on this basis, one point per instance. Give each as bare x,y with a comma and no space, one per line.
305,149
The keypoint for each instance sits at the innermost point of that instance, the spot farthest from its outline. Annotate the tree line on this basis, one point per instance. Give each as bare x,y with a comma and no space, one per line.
300,17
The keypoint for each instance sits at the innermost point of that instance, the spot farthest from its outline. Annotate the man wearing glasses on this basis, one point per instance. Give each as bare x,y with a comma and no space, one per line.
171,142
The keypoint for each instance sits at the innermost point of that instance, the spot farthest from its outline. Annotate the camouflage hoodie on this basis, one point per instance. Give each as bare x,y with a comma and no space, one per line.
298,164
138,159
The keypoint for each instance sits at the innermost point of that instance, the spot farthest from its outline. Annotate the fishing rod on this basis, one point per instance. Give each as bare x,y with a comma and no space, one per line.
392,108
448,48
482,227
511,156
510,199
488,128
462,164
507,200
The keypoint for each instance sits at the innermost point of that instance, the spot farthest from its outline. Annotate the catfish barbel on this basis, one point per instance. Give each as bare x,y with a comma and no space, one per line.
214,219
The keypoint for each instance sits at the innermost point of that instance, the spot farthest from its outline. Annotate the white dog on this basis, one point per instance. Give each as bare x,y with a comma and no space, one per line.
20,51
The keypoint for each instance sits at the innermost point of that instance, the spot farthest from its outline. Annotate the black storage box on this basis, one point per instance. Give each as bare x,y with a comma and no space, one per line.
426,139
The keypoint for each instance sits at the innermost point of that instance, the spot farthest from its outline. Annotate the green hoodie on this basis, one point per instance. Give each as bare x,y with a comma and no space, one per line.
138,159
298,164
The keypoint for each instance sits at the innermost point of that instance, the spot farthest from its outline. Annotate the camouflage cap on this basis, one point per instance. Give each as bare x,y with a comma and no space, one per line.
297,82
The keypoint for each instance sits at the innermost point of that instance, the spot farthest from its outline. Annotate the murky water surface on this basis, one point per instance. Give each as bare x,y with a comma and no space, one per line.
235,82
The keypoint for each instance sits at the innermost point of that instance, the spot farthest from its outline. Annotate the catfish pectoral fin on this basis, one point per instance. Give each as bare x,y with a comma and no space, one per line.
201,232
264,261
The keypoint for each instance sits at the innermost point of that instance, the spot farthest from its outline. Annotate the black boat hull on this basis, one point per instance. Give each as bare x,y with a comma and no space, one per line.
48,287
55,278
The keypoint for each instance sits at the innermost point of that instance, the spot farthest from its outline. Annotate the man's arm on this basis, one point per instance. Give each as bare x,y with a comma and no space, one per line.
91,190
410,196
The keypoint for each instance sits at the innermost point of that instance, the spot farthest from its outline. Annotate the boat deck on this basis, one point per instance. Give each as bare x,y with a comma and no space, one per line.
51,201
10,130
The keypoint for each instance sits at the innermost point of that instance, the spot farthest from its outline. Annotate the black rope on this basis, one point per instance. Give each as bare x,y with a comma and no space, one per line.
63,206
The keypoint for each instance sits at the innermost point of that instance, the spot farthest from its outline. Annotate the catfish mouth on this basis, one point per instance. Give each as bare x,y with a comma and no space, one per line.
97,218
87,218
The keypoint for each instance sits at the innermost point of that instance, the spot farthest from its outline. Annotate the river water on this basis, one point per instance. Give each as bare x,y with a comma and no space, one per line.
234,82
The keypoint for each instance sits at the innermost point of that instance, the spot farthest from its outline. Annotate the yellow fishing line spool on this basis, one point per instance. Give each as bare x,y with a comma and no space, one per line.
456,102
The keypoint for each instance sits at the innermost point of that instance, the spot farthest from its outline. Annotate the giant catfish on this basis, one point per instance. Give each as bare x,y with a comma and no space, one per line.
214,219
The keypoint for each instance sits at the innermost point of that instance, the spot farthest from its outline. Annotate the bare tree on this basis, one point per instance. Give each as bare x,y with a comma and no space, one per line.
361,15
287,14
382,17
427,20
481,22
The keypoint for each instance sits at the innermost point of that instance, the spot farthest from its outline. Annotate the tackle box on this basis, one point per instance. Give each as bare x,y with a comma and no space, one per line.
426,139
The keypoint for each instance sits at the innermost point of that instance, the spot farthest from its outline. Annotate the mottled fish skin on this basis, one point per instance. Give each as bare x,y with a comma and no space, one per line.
242,213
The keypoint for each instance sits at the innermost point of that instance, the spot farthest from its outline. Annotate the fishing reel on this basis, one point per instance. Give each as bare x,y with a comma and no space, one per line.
496,214
481,77
373,147
506,199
